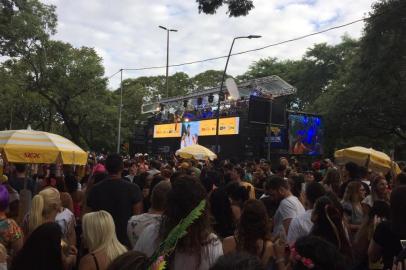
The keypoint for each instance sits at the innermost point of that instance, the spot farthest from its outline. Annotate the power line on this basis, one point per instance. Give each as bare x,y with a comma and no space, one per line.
247,51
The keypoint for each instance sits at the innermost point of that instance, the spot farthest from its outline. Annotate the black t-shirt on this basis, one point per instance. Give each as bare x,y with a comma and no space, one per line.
389,241
18,184
116,196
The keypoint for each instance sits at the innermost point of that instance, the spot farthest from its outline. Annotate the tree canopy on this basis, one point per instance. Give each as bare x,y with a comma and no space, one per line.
358,86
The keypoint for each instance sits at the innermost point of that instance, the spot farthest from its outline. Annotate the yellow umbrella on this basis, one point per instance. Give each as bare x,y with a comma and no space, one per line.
31,146
196,151
372,159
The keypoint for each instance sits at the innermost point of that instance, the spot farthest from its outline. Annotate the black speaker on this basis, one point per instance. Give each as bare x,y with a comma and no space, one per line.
260,110
279,111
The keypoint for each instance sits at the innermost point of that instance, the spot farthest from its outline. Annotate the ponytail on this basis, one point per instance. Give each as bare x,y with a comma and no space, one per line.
331,210
37,208
43,206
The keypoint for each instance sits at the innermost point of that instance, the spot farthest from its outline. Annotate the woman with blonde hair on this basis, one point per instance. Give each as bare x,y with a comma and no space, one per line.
99,235
44,208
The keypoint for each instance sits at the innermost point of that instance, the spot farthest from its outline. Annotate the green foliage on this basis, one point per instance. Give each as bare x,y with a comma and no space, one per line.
178,232
236,8
24,25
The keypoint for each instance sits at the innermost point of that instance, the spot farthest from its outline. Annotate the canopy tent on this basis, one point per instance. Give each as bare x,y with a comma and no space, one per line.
31,146
196,151
368,157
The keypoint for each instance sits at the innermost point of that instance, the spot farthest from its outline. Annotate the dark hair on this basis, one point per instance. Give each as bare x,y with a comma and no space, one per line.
237,193
295,183
397,207
155,164
166,173
401,179
253,226
281,168
71,183
210,178
131,260
159,195
328,225
380,209
98,177
352,169
114,163
238,261
141,180
20,167
185,195
323,254
240,171
155,181
276,182
4,197
220,207
42,250
314,191
362,172
177,175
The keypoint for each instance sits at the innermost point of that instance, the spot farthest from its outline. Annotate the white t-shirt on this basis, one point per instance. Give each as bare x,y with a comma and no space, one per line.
65,219
289,208
300,226
138,223
148,242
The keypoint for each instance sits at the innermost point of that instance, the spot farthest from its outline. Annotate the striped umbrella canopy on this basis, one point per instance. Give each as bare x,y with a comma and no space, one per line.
196,151
368,157
31,146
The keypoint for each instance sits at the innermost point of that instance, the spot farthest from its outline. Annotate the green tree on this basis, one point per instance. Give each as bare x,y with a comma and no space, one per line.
236,8
207,79
25,25
68,78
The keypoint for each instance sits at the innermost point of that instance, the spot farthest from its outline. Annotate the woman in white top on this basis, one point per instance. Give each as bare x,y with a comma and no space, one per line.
200,248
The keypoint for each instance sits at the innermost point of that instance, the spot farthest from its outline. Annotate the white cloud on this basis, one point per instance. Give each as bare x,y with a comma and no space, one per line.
126,34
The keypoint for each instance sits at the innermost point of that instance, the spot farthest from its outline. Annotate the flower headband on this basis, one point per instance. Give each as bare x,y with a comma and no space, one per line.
308,263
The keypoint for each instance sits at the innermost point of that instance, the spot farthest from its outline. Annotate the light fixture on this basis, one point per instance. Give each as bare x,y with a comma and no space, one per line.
186,119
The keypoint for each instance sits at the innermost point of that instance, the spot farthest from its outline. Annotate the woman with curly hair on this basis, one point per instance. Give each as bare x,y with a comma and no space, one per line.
252,234
199,248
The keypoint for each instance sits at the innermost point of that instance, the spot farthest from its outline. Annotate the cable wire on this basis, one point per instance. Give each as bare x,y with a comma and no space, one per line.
247,51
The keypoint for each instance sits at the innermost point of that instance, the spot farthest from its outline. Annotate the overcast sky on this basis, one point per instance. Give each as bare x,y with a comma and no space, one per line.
125,33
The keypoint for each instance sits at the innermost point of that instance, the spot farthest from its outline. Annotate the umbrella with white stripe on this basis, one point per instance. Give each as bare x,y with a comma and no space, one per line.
31,146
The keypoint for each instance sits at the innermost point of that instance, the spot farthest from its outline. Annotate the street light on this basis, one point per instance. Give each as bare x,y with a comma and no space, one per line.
221,89
167,54
119,112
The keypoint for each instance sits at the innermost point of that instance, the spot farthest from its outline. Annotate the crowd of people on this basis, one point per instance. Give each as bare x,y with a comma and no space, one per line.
258,215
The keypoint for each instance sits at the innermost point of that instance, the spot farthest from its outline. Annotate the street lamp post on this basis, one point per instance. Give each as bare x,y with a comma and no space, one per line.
119,112
167,54
221,90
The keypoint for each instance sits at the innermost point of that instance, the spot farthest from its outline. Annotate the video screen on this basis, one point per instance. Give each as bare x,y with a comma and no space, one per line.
305,134
189,132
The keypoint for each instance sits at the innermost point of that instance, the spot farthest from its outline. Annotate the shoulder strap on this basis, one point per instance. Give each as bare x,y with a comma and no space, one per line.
95,261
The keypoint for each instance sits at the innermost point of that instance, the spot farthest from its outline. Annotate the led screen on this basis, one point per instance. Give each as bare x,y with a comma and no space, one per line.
190,131
305,134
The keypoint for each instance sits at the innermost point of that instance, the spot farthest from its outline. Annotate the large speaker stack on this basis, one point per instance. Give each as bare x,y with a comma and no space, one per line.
267,111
